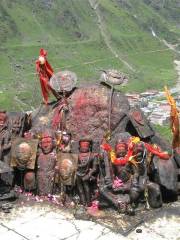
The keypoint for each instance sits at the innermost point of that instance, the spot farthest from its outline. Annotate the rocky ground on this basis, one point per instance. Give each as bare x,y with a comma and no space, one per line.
47,222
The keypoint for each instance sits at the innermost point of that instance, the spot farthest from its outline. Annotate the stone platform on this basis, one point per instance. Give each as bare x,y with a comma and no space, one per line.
39,221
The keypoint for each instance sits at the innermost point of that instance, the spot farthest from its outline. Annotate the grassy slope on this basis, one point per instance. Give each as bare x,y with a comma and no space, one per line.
68,29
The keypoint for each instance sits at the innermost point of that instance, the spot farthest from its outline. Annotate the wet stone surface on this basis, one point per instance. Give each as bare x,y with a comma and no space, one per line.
36,221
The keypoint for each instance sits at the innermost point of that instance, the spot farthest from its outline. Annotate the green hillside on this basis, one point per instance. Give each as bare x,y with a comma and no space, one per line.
85,37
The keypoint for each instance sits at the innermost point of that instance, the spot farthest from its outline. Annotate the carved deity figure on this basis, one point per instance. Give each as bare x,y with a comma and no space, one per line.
23,157
115,177
120,152
130,163
63,141
65,176
17,123
65,173
46,163
5,138
86,170
141,186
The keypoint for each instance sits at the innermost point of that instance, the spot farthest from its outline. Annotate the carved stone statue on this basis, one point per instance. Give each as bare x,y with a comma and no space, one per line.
130,167
23,158
114,183
65,176
86,170
5,138
19,123
141,186
46,163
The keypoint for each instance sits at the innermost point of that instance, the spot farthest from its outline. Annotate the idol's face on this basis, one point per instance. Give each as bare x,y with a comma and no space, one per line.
121,150
23,153
47,145
84,147
66,169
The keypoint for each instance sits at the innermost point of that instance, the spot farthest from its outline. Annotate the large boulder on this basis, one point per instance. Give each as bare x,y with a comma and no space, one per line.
88,115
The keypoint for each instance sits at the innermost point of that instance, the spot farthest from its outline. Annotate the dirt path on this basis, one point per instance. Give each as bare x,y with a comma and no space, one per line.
172,47
177,67
94,5
176,62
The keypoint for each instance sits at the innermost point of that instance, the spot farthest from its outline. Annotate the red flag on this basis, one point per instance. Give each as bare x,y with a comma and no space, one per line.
45,72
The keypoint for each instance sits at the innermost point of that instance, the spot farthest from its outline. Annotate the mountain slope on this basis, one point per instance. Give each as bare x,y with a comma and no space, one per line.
85,37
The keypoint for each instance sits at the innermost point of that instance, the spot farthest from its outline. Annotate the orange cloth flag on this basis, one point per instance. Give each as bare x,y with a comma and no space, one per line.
174,119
